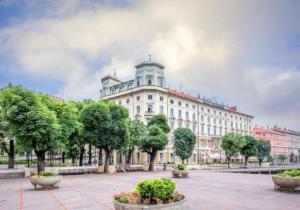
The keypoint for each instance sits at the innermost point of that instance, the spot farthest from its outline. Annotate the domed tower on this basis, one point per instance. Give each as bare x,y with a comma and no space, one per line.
149,73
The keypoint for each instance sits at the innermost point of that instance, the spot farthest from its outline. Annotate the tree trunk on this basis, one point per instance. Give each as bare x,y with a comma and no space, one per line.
40,161
73,161
11,154
90,154
107,156
246,160
100,161
63,159
81,156
259,162
228,161
128,157
182,161
152,160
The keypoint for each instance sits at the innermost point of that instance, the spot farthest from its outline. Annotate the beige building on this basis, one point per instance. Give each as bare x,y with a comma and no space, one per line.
146,96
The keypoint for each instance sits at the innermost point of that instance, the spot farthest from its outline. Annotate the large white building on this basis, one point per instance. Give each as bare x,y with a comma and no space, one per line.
146,96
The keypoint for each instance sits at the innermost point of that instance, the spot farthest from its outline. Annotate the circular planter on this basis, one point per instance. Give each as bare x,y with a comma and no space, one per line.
45,181
180,173
288,183
169,206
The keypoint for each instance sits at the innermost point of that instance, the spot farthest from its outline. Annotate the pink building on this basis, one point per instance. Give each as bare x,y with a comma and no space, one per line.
279,140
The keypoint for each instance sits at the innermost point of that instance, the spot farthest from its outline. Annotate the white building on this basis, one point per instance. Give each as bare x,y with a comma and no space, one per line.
146,96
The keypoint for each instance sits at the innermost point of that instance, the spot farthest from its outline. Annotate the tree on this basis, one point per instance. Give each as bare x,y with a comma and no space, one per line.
154,141
263,150
249,149
160,121
231,143
6,141
184,143
105,124
281,158
31,121
137,132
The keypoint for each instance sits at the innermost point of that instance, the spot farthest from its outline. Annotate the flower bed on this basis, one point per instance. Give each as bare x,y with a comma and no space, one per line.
45,180
288,180
151,194
180,171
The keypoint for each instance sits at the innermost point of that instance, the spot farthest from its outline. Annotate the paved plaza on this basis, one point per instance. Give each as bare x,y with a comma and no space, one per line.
204,190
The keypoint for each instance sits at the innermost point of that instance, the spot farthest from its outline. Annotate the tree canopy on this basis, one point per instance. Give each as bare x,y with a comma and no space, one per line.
232,143
249,149
263,150
160,121
184,143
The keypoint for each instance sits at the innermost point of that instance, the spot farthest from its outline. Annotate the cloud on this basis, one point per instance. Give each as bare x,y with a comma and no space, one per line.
228,50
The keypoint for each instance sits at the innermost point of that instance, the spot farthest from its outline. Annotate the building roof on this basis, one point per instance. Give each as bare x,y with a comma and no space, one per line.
110,77
183,95
150,63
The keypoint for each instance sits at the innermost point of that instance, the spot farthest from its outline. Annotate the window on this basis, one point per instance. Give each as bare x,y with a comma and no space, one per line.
220,113
194,128
179,113
138,98
128,100
161,109
215,131
171,157
208,110
194,117
161,81
138,81
149,80
220,131
215,120
208,119
202,130
179,103
225,130
187,115
172,124
149,109
208,131
172,112
138,109
161,98
215,112
202,118
194,107
202,109
171,101
220,121
187,124
194,158
180,124
161,157
149,97
186,105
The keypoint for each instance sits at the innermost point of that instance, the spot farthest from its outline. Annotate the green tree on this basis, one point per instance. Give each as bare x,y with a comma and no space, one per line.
263,150
137,132
184,143
231,143
6,141
31,121
281,158
154,141
249,149
105,124
160,121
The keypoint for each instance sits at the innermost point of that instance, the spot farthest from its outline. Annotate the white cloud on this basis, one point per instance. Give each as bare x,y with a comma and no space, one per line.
204,45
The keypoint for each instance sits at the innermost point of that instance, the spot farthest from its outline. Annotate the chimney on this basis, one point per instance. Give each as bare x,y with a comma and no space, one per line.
233,108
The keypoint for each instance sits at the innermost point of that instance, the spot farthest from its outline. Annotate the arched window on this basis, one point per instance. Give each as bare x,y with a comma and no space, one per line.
149,79
138,81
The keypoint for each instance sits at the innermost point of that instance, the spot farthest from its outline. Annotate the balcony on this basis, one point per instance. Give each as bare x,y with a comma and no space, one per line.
149,113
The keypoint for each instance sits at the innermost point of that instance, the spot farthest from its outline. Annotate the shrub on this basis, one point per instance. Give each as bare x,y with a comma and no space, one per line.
155,191
156,188
47,174
290,173
181,167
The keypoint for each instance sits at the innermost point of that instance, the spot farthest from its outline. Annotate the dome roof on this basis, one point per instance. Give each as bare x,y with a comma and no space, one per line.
150,63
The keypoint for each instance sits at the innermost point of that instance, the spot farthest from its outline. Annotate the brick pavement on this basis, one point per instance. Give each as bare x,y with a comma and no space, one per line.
205,190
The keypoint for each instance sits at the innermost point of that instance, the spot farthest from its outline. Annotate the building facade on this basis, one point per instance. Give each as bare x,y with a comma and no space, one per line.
283,141
146,96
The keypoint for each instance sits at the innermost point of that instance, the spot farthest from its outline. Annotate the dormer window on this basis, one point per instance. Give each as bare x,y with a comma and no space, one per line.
138,81
149,80
160,81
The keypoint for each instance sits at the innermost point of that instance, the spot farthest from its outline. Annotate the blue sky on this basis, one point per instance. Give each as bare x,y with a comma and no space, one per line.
245,53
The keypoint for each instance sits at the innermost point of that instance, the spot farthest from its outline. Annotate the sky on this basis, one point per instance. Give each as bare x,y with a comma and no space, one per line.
244,53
